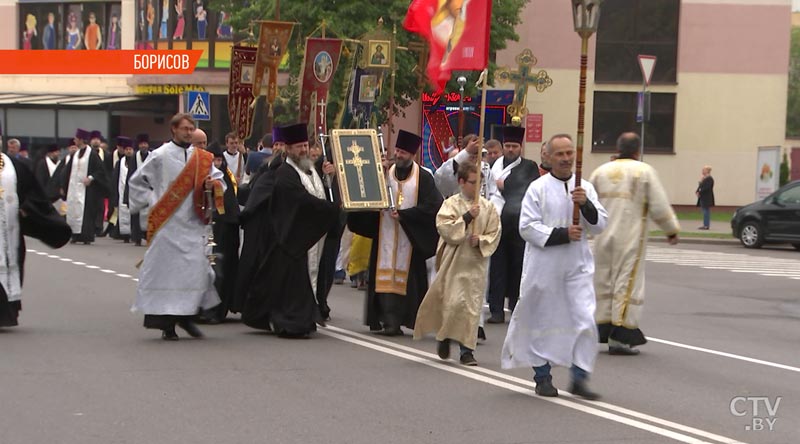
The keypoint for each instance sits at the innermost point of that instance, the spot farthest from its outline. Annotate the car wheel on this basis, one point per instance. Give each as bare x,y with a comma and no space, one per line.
750,236
796,246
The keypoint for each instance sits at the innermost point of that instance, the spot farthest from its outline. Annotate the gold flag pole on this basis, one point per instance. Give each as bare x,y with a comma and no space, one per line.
481,131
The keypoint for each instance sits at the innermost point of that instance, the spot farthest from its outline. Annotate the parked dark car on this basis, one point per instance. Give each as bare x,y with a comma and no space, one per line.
775,219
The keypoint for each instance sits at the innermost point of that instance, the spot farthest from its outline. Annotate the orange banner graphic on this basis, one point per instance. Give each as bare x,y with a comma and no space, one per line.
99,62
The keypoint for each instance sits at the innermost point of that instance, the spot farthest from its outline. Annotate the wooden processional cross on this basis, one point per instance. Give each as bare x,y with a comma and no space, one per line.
522,79
358,162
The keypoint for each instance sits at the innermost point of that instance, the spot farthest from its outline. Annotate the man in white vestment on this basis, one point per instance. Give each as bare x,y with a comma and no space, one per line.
85,184
176,279
235,157
553,323
469,231
446,176
632,193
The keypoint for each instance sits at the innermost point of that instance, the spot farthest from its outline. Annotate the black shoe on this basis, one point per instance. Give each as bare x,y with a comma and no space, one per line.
623,351
481,334
580,389
287,335
468,359
496,319
390,331
191,328
544,387
443,349
138,243
169,335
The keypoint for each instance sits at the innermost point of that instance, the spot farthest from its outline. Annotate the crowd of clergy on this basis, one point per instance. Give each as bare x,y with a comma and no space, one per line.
262,233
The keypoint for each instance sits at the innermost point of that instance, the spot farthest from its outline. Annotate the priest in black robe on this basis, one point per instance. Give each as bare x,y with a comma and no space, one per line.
513,174
330,249
405,237
47,173
255,221
26,211
85,185
96,143
226,236
282,296
119,189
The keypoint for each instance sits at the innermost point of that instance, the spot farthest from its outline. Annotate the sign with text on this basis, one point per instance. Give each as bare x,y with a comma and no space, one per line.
533,127
99,62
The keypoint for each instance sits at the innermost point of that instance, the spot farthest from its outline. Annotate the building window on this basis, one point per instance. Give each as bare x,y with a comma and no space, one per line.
632,27
615,113
89,25
185,24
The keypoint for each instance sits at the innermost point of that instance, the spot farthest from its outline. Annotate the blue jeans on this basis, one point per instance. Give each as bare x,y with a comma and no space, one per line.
706,216
578,374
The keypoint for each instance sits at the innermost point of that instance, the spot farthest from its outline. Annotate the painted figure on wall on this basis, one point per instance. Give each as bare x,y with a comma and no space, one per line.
162,33
151,18
181,22
30,33
224,29
201,15
49,32
114,33
92,35
73,32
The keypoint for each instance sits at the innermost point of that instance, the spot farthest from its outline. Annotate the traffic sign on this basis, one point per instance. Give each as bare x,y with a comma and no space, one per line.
198,104
647,63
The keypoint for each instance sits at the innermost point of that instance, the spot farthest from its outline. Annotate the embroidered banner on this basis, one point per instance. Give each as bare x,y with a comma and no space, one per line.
321,61
273,41
240,92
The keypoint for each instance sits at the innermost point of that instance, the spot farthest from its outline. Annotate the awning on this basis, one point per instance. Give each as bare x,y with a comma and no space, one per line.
58,99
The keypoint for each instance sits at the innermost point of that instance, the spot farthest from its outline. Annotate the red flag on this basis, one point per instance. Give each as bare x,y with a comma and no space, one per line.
457,32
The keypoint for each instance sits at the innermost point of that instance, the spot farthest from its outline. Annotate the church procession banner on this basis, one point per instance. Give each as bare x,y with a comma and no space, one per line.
273,40
240,93
321,61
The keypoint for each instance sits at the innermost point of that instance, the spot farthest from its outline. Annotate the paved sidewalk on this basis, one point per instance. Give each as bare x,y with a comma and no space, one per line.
691,234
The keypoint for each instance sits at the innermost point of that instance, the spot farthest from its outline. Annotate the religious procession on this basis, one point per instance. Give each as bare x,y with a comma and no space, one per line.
475,227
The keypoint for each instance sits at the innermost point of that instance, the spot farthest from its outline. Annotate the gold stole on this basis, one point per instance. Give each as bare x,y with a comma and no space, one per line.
191,179
394,248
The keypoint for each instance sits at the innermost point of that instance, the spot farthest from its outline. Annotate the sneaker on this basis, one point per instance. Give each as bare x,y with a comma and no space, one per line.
580,389
468,359
544,387
443,349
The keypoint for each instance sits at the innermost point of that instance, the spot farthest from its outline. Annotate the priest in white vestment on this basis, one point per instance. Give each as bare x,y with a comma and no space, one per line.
176,279
553,324
469,232
120,198
633,195
234,157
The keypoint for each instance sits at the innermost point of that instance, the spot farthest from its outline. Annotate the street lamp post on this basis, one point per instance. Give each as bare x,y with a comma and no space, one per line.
585,17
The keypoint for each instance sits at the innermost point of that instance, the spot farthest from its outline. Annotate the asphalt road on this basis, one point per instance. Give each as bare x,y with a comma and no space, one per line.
723,323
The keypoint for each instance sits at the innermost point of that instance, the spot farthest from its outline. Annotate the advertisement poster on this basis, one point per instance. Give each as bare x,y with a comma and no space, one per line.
767,170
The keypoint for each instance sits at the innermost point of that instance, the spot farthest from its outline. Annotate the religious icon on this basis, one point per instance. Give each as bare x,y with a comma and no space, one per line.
379,53
323,66
248,72
274,48
367,88
357,157
447,24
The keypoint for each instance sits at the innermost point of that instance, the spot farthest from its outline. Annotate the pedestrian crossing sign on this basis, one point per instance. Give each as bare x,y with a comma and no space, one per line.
198,105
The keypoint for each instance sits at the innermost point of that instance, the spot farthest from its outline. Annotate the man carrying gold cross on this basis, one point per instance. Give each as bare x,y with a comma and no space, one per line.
404,238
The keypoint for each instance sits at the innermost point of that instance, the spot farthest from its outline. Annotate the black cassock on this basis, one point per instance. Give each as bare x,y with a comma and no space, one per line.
330,249
390,311
49,184
226,236
255,221
95,193
280,296
114,197
38,219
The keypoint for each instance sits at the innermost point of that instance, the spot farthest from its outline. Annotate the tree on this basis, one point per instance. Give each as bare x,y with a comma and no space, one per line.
793,102
783,178
351,19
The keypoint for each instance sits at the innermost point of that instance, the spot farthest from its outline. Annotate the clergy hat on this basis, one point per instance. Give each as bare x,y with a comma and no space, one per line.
297,133
52,148
215,149
277,135
23,146
82,134
96,135
141,138
409,142
513,134
124,142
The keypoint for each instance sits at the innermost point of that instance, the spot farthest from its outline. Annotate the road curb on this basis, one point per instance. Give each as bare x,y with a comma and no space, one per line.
698,240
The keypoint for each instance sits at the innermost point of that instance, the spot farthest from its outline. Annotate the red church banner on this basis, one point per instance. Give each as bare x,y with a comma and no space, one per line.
240,92
321,61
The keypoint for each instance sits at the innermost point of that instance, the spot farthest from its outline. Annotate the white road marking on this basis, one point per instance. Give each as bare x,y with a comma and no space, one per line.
567,401
733,262
83,264
725,354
